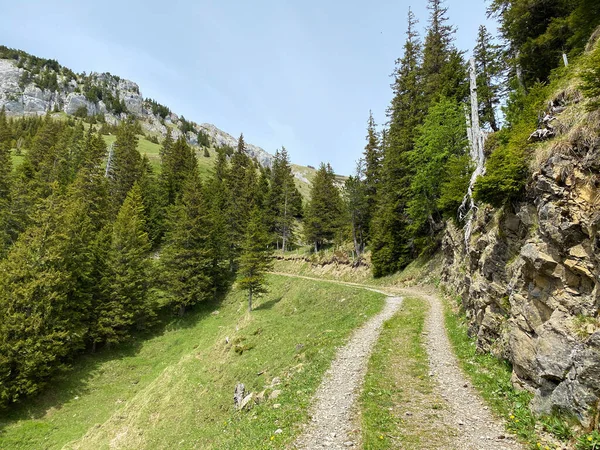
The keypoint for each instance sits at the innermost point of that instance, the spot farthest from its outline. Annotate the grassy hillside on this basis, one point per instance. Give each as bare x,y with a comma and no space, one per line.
175,388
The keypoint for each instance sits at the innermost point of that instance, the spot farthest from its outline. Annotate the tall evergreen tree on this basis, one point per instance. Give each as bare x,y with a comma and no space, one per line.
357,206
217,195
489,68
538,32
186,256
126,163
443,68
372,173
45,297
5,195
241,182
178,163
127,304
323,213
284,202
442,136
256,258
390,241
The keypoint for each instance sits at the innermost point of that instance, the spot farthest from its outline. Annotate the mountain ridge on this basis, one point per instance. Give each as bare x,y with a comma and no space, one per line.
30,85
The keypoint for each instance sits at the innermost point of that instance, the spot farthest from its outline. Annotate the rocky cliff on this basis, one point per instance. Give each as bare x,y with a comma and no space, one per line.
31,85
529,276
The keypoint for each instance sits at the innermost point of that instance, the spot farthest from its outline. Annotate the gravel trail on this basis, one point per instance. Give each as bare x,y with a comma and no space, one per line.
476,427
473,426
332,415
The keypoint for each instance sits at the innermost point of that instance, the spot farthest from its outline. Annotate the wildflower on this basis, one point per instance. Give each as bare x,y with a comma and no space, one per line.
590,438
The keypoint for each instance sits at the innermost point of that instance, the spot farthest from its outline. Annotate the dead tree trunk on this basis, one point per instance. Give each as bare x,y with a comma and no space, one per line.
107,172
476,136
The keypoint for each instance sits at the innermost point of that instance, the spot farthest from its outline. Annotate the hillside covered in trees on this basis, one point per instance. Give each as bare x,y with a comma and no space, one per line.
492,162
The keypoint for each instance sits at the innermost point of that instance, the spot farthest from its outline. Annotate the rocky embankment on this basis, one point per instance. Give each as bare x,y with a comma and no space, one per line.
529,276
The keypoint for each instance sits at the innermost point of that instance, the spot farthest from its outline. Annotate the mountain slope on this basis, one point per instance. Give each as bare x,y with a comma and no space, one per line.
35,86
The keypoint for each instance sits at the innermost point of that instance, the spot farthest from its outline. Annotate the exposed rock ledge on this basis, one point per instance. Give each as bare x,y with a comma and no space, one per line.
530,280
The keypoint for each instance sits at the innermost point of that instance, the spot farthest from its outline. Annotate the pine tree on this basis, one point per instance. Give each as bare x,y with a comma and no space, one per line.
356,196
153,199
443,68
323,213
390,241
178,163
126,163
241,182
165,148
538,32
372,173
488,64
256,258
127,304
45,297
186,256
5,196
218,244
283,202
442,136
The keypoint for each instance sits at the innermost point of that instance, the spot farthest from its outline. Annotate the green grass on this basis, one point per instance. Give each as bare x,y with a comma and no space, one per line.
397,382
175,388
492,378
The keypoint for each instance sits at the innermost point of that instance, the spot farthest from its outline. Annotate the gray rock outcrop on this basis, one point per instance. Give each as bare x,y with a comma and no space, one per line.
529,279
21,95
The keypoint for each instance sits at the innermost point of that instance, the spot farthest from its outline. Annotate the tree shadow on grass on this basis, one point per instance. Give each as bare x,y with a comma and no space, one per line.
77,379
268,304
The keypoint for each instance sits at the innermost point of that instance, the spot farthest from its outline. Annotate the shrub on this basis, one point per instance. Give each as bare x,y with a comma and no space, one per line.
591,78
81,112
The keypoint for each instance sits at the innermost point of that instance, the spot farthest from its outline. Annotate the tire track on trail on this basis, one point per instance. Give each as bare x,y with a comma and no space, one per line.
473,426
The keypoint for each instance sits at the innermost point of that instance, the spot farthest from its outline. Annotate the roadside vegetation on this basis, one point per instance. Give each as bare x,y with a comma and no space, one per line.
174,387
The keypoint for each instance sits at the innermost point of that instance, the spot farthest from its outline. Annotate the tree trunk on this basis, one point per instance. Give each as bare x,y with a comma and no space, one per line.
354,237
476,140
284,228
250,300
181,310
316,247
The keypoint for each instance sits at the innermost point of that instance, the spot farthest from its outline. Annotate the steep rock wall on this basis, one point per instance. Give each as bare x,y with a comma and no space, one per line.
529,279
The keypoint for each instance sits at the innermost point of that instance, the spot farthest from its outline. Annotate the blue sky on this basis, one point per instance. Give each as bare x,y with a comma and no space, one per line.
302,74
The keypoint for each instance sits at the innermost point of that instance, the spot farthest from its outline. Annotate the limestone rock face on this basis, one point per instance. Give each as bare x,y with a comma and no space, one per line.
530,278
20,94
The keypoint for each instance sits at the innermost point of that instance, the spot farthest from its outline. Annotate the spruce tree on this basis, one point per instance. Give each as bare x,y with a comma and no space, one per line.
5,197
489,68
186,258
256,258
127,304
356,196
283,202
126,166
45,295
178,163
218,244
372,173
241,182
442,137
390,240
324,210
443,68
